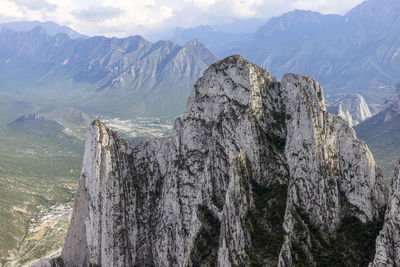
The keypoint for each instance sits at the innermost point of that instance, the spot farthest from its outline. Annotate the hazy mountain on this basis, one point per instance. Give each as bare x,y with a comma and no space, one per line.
50,27
59,122
356,52
257,173
129,76
382,134
373,17
352,108
40,126
218,41
241,26
67,116
219,38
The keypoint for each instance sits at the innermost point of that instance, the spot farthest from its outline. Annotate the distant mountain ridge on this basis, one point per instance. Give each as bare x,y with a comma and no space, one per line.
58,122
215,39
129,76
22,118
356,52
219,38
50,27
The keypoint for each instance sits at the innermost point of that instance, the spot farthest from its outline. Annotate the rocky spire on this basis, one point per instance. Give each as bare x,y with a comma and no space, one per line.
256,172
352,108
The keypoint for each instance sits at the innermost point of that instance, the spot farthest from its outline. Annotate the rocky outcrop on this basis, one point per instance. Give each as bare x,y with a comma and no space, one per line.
257,172
388,241
392,107
326,187
28,117
352,108
381,133
59,122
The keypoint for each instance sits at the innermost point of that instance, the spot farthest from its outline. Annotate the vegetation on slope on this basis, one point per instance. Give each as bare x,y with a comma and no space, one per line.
36,173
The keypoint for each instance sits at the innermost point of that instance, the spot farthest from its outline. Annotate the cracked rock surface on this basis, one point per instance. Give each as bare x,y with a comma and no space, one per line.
388,241
257,172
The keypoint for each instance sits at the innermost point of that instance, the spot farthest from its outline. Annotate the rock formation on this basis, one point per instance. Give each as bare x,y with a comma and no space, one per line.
392,107
352,108
381,133
388,241
257,173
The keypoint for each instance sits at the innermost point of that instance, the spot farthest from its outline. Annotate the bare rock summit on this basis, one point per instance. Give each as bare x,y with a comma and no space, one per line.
257,173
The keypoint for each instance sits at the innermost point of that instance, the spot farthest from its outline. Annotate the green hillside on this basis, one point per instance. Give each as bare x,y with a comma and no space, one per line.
39,170
383,139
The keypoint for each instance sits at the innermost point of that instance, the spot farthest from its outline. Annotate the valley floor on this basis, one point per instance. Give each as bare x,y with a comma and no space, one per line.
38,180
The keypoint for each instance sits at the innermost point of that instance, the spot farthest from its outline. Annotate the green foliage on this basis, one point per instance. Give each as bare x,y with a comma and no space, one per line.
352,244
277,141
43,128
264,223
35,173
383,139
272,137
205,249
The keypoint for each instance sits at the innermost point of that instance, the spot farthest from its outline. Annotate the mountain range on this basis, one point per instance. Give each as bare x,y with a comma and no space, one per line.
101,75
58,122
357,52
256,171
218,37
50,27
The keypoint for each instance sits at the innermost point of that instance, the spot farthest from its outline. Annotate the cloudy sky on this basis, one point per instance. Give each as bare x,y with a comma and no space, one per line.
128,17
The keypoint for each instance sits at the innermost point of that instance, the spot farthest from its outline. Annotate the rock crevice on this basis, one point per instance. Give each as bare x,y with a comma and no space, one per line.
257,172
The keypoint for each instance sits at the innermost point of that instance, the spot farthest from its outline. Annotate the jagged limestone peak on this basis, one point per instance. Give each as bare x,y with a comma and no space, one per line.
255,170
352,108
231,81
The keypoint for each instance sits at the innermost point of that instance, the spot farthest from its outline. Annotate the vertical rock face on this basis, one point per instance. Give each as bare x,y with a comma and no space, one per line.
334,184
257,172
388,241
381,133
352,108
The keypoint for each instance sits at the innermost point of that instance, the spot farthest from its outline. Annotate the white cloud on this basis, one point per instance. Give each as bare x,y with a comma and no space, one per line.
97,13
204,4
36,4
9,9
129,17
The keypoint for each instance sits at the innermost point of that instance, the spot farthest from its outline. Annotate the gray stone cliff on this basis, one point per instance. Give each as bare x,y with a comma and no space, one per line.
352,108
257,172
388,241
